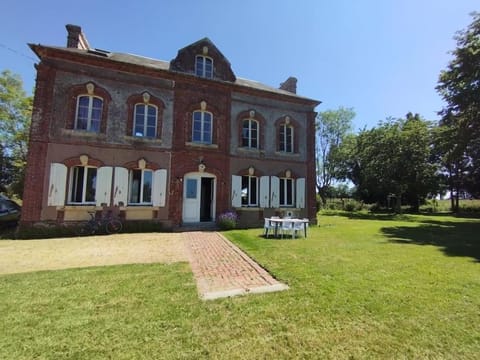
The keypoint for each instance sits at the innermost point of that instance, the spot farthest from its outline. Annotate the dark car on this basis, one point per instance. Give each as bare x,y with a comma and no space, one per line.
9,212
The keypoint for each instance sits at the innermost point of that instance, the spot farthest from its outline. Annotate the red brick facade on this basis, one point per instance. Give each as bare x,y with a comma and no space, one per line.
183,179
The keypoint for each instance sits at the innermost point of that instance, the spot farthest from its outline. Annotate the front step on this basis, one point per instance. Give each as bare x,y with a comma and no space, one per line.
199,226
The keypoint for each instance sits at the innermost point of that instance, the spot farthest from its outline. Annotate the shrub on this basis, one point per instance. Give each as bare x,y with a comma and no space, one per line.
227,220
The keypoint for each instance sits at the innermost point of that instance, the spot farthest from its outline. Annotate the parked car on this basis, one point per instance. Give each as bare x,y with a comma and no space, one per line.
9,212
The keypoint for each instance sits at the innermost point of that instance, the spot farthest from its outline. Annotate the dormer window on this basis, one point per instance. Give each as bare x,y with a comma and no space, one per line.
204,66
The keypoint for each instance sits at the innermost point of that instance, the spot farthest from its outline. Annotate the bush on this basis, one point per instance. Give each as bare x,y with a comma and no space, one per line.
227,220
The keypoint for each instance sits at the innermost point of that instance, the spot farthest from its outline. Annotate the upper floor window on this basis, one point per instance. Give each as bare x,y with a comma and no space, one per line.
140,186
286,138
83,181
145,120
204,66
286,192
202,127
250,133
249,191
89,113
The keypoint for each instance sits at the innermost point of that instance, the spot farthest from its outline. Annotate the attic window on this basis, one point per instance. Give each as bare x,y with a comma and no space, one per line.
99,52
204,66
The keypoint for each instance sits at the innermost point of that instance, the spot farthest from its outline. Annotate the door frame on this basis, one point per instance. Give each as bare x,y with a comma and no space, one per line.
191,209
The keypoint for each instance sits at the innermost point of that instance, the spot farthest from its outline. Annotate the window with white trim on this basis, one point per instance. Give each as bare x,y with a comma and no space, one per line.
204,66
250,133
83,181
89,113
202,127
286,192
286,138
145,123
249,192
140,187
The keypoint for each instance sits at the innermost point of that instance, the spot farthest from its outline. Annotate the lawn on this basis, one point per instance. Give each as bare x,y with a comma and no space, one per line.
361,287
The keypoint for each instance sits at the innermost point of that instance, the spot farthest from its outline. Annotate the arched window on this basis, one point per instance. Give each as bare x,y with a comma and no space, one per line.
89,113
204,66
249,192
286,136
140,187
145,123
250,133
202,124
287,192
83,182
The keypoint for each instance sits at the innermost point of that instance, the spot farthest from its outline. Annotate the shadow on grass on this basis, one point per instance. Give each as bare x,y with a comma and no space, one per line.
454,238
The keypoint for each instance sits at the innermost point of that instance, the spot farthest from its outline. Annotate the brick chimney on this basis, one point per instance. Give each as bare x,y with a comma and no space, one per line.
289,85
76,38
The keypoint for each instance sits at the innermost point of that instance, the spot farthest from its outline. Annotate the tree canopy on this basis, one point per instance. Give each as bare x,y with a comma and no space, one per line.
15,115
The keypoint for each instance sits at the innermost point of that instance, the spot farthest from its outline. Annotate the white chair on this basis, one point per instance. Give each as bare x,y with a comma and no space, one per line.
268,226
288,227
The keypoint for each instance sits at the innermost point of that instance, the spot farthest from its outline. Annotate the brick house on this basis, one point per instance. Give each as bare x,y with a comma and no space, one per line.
173,142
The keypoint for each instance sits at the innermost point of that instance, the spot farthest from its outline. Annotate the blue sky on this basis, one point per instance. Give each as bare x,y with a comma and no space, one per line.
382,58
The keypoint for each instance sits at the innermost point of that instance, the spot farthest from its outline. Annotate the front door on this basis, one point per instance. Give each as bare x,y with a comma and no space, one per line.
198,197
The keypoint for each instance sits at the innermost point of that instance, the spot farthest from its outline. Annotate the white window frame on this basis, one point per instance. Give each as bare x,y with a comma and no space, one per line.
250,203
145,120
284,196
250,137
142,179
284,138
202,70
73,182
90,111
202,127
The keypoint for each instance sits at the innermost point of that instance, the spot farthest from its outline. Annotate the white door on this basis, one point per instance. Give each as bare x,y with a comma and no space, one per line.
191,198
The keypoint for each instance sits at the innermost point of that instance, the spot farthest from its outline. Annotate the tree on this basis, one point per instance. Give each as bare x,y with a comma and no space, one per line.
332,127
15,115
391,163
459,139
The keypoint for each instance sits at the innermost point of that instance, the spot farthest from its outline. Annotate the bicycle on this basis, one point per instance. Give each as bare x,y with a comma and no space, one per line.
108,223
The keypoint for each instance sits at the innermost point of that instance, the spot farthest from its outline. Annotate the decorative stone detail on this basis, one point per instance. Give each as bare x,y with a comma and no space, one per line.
288,174
142,163
90,88
205,50
201,168
146,97
84,160
252,113
251,171
287,119
203,105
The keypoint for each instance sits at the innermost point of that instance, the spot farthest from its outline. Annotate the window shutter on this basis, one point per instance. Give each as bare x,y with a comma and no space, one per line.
275,192
57,185
104,185
159,187
301,193
264,191
120,188
236,191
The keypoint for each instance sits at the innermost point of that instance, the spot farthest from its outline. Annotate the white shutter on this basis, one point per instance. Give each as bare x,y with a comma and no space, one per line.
264,191
159,187
275,192
120,188
236,191
57,184
301,193
104,185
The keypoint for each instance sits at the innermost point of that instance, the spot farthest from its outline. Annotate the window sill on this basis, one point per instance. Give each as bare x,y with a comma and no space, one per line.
252,151
84,134
143,140
200,145
288,154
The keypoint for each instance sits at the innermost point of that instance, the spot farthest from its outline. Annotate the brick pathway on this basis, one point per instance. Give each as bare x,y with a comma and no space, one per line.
221,269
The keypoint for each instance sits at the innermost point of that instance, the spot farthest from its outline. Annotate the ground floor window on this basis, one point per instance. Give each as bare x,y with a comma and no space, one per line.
83,184
140,187
249,191
286,192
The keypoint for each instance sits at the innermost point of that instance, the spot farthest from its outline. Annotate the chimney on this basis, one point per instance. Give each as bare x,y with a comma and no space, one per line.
289,85
76,38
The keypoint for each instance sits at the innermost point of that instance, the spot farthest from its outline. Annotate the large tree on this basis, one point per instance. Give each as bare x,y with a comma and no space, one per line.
332,127
15,114
391,163
459,138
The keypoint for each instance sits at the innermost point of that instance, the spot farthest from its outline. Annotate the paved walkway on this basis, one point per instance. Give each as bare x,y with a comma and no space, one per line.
221,269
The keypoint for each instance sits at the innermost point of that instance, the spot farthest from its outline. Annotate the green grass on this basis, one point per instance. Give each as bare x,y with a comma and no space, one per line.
361,287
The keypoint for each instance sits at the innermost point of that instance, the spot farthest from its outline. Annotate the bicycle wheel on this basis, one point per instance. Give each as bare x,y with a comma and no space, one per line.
84,229
113,226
